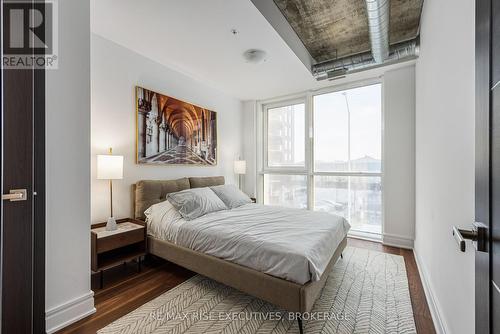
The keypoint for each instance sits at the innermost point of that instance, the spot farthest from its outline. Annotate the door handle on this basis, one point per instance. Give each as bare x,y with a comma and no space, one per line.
15,195
478,235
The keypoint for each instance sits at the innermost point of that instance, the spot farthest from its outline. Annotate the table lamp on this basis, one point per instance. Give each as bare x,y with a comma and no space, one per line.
110,167
240,168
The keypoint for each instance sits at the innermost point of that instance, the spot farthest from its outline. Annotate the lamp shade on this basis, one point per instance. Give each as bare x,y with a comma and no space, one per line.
240,167
109,167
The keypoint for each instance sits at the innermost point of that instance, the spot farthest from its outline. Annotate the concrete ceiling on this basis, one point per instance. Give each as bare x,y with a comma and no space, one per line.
194,37
331,29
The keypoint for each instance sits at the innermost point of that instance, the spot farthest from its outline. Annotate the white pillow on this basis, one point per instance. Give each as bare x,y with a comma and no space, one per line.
231,196
163,220
196,202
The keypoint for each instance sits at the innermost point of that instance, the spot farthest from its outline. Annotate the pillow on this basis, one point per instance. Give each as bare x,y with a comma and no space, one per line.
163,220
196,202
231,196
158,209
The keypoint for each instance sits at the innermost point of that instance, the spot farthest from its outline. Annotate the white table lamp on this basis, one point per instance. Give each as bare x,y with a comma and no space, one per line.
240,168
110,167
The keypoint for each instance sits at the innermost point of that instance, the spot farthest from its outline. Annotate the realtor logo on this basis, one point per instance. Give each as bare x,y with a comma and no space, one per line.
29,39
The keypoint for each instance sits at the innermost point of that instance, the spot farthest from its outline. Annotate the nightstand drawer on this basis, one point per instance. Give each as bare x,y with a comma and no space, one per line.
119,240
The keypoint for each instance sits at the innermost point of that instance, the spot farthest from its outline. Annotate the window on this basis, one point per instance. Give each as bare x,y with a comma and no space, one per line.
339,168
356,198
286,135
285,190
348,130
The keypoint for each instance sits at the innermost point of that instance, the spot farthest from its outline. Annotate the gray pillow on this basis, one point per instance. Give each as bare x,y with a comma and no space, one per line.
194,203
231,196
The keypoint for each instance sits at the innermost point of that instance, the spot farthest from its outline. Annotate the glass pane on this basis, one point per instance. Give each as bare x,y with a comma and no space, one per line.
358,199
286,136
285,190
348,130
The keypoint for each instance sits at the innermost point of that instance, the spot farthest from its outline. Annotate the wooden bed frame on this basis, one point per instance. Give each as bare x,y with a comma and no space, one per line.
288,295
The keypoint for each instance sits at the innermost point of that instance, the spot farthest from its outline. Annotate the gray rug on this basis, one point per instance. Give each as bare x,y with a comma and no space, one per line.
366,292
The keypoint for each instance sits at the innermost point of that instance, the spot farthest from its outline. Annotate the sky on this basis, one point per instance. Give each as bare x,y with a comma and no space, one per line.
330,124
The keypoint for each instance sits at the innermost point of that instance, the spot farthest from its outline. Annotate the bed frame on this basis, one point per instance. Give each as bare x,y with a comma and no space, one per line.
288,295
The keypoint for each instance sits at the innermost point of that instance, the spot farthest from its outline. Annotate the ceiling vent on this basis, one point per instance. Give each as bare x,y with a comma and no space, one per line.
255,56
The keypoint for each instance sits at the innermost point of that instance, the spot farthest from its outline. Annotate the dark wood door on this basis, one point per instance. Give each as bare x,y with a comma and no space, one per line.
487,192
482,179
22,219
495,152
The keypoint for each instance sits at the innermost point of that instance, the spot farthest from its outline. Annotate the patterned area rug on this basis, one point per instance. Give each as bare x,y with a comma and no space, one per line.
366,292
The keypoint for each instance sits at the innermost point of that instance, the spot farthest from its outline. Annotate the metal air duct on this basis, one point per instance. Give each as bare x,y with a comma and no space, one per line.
378,24
356,63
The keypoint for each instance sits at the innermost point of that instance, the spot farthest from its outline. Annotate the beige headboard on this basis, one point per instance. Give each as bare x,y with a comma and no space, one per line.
149,192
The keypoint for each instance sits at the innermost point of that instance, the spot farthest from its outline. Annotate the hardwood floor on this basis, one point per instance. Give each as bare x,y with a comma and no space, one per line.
125,289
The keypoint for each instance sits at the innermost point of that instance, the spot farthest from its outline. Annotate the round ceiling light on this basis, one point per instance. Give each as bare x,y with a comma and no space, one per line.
255,56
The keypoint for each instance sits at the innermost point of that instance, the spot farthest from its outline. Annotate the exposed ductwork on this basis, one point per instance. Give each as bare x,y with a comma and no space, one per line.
334,38
340,67
378,24
381,53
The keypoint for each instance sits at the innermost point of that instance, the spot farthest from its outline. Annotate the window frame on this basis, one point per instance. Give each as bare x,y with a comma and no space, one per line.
309,169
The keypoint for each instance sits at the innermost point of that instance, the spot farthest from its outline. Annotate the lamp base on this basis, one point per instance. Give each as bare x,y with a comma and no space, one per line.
111,224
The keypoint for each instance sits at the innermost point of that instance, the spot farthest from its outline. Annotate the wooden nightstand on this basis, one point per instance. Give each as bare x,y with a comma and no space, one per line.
111,248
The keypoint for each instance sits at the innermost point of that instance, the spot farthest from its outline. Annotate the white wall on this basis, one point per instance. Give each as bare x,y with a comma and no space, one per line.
115,73
68,294
445,160
399,157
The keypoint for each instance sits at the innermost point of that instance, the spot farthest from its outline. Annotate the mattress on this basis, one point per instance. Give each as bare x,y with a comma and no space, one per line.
292,244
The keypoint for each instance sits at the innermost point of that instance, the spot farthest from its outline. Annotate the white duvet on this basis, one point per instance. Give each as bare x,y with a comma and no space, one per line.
292,244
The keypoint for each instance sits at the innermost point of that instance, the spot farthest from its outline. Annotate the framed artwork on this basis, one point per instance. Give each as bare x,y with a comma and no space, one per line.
174,132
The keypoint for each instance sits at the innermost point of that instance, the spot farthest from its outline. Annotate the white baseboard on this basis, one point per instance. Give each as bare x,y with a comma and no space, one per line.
364,236
434,308
69,312
397,240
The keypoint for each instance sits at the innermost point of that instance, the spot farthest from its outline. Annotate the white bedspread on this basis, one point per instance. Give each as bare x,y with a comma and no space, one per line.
288,243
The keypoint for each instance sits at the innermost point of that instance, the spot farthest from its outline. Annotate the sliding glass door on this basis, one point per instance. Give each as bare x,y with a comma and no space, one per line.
337,166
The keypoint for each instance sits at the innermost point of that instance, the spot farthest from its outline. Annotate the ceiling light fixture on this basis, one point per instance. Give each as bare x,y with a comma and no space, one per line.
255,56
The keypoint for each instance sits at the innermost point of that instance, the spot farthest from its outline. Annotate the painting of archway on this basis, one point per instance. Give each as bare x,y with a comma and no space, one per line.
174,132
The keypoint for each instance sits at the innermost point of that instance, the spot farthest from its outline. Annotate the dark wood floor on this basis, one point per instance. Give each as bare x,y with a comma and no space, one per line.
125,289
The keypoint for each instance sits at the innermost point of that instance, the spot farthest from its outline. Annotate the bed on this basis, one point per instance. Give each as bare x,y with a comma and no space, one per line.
294,293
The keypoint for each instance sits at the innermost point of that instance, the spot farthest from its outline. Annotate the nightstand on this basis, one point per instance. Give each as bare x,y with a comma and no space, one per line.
111,248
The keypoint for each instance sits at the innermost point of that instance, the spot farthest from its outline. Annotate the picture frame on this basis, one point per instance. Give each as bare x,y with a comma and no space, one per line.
170,131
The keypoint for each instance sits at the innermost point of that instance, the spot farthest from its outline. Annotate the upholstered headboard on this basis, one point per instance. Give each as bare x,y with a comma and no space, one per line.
149,192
